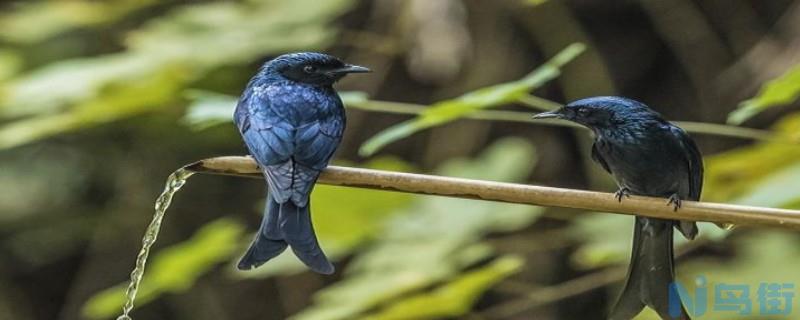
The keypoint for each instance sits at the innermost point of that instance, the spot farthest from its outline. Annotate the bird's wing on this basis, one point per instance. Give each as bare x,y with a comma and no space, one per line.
599,159
694,161
270,139
315,144
290,155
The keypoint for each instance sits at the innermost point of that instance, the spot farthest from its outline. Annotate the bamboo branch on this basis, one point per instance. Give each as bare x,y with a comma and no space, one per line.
519,193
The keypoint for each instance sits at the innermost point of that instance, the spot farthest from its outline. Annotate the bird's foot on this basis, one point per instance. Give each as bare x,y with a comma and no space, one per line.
675,201
622,192
258,166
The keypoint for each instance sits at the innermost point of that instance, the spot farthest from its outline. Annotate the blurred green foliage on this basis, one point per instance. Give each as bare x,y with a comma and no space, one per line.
734,173
36,22
779,91
454,298
432,242
74,188
396,225
492,96
162,58
213,243
753,265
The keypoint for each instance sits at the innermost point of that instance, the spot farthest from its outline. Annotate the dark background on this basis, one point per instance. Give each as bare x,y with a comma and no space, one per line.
93,98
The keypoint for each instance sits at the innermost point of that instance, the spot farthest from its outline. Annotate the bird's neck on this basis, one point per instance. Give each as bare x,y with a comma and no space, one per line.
617,134
281,81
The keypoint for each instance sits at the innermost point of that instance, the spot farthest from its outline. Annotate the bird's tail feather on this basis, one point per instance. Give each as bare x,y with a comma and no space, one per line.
268,242
650,274
295,222
286,224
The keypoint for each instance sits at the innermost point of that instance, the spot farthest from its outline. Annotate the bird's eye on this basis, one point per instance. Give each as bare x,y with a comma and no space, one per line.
584,112
309,69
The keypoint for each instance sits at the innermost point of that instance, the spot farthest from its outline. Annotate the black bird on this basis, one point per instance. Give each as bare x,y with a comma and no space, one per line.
292,120
651,157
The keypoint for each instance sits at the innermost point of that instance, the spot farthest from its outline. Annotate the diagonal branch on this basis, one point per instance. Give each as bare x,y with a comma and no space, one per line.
544,104
519,193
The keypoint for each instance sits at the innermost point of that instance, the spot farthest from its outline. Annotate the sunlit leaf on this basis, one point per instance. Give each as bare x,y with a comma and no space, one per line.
607,239
113,104
174,269
10,63
37,21
492,96
779,91
56,96
208,109
454,298
534,3
732,174
64,83
245,30
779,189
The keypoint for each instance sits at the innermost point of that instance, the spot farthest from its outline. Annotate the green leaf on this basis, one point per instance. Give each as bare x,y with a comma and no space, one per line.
780,91
454,298
10,64
492,96
174,269
62,84
607,239
38,21
734,173
113,104
208,109
777,190
534,3
58,97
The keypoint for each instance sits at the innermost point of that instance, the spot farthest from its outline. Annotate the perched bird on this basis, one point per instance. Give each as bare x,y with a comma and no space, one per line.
292,120
651,157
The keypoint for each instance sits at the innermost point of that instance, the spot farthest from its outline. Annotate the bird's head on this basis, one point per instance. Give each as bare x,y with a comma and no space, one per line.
310,67
601,112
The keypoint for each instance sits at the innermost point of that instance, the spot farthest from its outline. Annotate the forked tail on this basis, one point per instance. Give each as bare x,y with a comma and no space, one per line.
286,224
650,274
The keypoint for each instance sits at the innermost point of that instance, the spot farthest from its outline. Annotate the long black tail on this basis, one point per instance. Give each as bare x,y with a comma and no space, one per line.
285,224
650,274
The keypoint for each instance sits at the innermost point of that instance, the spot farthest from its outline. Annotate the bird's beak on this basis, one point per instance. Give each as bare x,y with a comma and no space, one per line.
349,68
555,114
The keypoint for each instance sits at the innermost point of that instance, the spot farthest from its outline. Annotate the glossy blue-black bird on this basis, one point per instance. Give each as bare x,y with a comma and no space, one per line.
647,156
292,120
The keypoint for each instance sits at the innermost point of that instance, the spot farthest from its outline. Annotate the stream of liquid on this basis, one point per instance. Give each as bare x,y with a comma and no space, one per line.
174,183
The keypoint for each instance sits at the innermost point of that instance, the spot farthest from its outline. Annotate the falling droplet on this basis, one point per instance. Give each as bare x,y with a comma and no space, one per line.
174,183
728,226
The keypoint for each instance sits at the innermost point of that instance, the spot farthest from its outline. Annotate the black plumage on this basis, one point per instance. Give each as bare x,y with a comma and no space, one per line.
292,120
647,156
